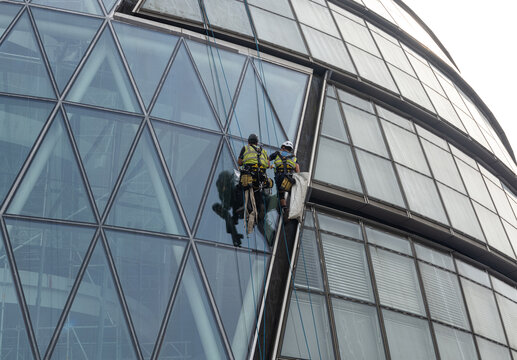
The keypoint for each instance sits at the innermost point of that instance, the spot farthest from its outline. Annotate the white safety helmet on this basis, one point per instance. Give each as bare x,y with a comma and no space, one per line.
288,144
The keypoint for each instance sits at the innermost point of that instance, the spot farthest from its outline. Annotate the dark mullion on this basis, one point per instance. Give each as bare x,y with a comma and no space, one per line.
376,295
13,23
73,293
213,303
39,42
19,292
30,157
123,170
426,304
236,97
209,182
118,46
298,25
168,310
169,179
319,119
68,11
467,310
326,287
51,221
120,293
85,57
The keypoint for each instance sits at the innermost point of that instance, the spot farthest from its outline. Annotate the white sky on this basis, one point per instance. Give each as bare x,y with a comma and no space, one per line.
481,37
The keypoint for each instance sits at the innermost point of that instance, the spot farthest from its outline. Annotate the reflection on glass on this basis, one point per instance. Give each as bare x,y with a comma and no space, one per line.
188,9
85,6
65,38
20,123
13,339
22,68
53,186
144,199
147,268
192,331
228,14
46,282
95,327
236,279
7,14
103,80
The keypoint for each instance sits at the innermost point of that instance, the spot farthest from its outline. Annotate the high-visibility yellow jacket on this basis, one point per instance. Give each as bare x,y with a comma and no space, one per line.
255,155
288,161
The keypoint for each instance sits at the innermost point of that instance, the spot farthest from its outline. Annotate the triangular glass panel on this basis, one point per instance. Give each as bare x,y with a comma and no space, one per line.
103,139
53,186
189,155
22,68
286,89
108,4
144,200
48,257
254,114
95,327
103,80
236,280
21,121
15,344
332,123
192,331
147,53
65,38
84,6
182,98
7,14
147,267
222,219
220,71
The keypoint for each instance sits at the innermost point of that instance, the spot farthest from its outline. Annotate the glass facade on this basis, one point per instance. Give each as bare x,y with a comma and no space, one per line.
122,233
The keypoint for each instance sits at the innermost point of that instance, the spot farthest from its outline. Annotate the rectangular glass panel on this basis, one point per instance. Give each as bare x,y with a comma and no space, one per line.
505,289
364,130
424,72
444,297
405,148
508,310
397,281
308,270
389,241
409,338
421,194
395,118
461,213
483,311
493,229
445,109
328,49
501,202
228,14
372,68
429,136
347,268
492,351
379,178
315,16
277,30
473,273
434,257
393,53
339,226
335,165
454,344
358,331
356,34
410,87
356,101
187,9
443,166
280,7
332,124
307,319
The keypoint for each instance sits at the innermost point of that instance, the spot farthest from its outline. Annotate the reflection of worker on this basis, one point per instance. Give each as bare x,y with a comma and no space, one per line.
231,199
285,165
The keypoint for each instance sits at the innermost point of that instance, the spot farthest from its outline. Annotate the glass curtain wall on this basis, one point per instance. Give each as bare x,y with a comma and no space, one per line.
363,292
366,149
117,190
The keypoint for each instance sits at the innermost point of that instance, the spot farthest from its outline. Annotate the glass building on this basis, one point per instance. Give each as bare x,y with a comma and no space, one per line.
120,126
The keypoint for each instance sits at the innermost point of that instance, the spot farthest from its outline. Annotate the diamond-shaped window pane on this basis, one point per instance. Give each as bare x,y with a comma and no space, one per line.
182,98
147,268
46,282
65,38
103,139
7,14
53,186
144,200
189,155
22,68
192,331
95,327
147,53
21,121
103,80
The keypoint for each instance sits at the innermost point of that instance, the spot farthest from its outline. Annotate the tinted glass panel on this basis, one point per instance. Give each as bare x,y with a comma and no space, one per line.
339,226
308,270
332,123
188,9
372,68
490,350
228,14
454,344
86,6
7,14
389,241
443,166
508,310
364,129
